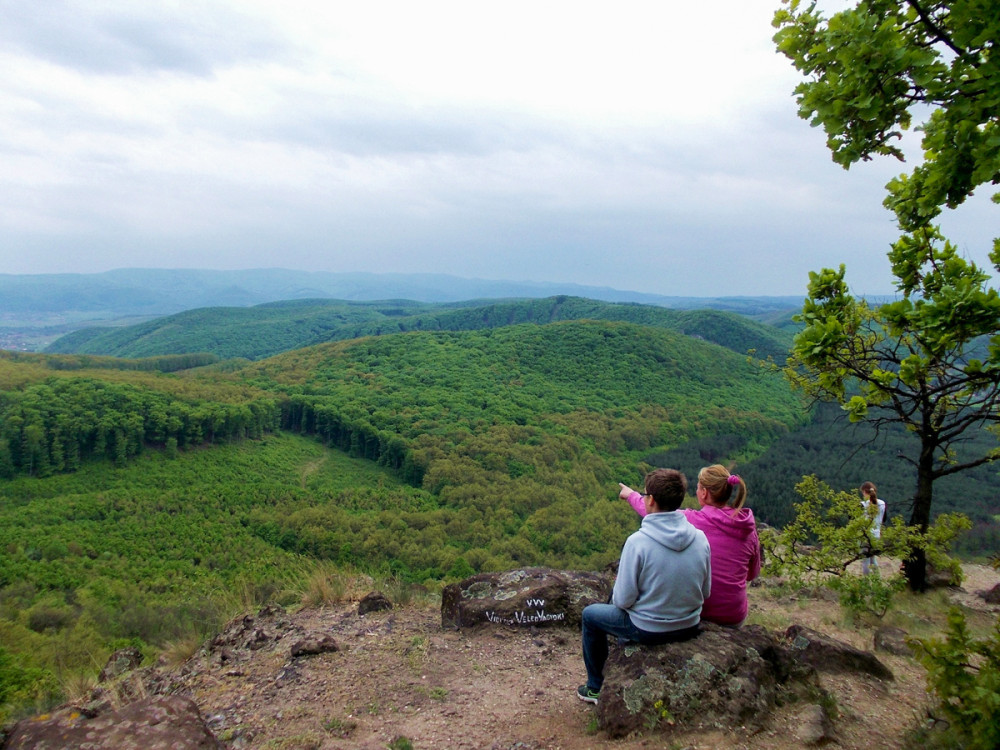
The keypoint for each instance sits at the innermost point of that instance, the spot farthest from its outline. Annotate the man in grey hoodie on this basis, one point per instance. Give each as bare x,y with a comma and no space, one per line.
663,578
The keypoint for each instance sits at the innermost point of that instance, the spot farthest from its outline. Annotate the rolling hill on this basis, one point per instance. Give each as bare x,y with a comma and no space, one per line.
265,330
412,441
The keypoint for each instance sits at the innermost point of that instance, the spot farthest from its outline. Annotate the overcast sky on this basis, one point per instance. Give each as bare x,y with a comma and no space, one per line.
650,146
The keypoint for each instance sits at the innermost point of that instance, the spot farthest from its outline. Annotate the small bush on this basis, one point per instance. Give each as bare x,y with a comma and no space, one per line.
179,651
831,531
964,673
78,686
399,591
23,689
324,586
161,623
340,727
870,594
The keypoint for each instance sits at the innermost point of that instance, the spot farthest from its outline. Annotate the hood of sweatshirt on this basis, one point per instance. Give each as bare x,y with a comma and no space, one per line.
671,529
738,524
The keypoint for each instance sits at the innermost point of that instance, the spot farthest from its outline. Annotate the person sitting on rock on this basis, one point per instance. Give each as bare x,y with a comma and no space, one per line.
664,576
732,535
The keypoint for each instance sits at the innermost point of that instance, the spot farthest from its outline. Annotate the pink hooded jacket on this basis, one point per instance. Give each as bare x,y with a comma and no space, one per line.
732,535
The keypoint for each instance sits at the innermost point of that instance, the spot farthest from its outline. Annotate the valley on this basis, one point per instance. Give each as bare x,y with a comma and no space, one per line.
144,500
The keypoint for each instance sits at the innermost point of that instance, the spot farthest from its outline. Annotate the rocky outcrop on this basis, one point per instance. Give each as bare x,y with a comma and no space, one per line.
376,601
154,716
892,640
522,598
723,678
322,644
325,671
159,723
121,661
249,632
942,578
813,726
992,596
830,655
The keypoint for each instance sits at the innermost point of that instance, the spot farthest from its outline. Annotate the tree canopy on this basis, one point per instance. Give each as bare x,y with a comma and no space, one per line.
871,68
929,360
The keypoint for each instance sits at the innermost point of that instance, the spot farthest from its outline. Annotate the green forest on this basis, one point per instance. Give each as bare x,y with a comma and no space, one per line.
268,329
146,500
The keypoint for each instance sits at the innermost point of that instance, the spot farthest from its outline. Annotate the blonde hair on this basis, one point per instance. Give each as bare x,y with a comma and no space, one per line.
716,480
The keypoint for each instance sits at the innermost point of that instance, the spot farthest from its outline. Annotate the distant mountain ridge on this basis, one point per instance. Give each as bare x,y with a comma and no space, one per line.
139,291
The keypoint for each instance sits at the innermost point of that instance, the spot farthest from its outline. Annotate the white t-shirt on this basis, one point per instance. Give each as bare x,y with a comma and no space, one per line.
879,516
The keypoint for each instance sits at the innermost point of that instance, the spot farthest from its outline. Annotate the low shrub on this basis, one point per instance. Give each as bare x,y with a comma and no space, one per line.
964,672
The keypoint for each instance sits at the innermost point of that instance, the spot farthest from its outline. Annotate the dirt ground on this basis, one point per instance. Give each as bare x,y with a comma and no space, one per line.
399,677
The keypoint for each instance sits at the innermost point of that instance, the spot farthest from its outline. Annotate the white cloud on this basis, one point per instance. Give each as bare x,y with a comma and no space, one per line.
644,144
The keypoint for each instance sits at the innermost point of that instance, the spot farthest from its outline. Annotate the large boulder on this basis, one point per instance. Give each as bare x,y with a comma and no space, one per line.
161,723
376,601
523,598
248,632
992,596
722,678
939,578
830,655
316,644
892,640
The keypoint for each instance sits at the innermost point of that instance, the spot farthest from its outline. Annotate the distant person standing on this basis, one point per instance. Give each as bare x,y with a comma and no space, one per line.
875,510
732,535
664,575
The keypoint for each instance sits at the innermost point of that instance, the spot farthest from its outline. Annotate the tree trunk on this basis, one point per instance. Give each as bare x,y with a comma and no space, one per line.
915,566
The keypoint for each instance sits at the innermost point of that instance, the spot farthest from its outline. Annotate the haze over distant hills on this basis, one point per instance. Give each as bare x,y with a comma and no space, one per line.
144,291
37,309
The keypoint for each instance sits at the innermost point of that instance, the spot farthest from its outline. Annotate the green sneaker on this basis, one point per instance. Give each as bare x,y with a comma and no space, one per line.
584,693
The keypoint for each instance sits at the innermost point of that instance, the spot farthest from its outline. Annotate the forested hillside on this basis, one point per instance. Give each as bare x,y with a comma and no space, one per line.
156,551
143,500
264,330
605,388
136,501
35,310
57,412
228,332
844,455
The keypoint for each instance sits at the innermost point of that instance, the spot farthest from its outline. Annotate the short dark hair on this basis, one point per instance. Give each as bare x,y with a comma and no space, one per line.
668,488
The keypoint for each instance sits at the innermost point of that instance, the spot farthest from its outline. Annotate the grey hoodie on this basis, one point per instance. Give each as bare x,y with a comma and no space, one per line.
665,574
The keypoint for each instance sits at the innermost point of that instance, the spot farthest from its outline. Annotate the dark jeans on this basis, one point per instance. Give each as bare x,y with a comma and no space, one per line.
602,620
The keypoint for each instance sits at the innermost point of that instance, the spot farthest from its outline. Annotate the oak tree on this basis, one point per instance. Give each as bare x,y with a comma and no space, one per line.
930,359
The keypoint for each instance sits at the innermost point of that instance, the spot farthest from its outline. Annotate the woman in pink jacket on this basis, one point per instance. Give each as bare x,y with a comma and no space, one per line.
732,535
